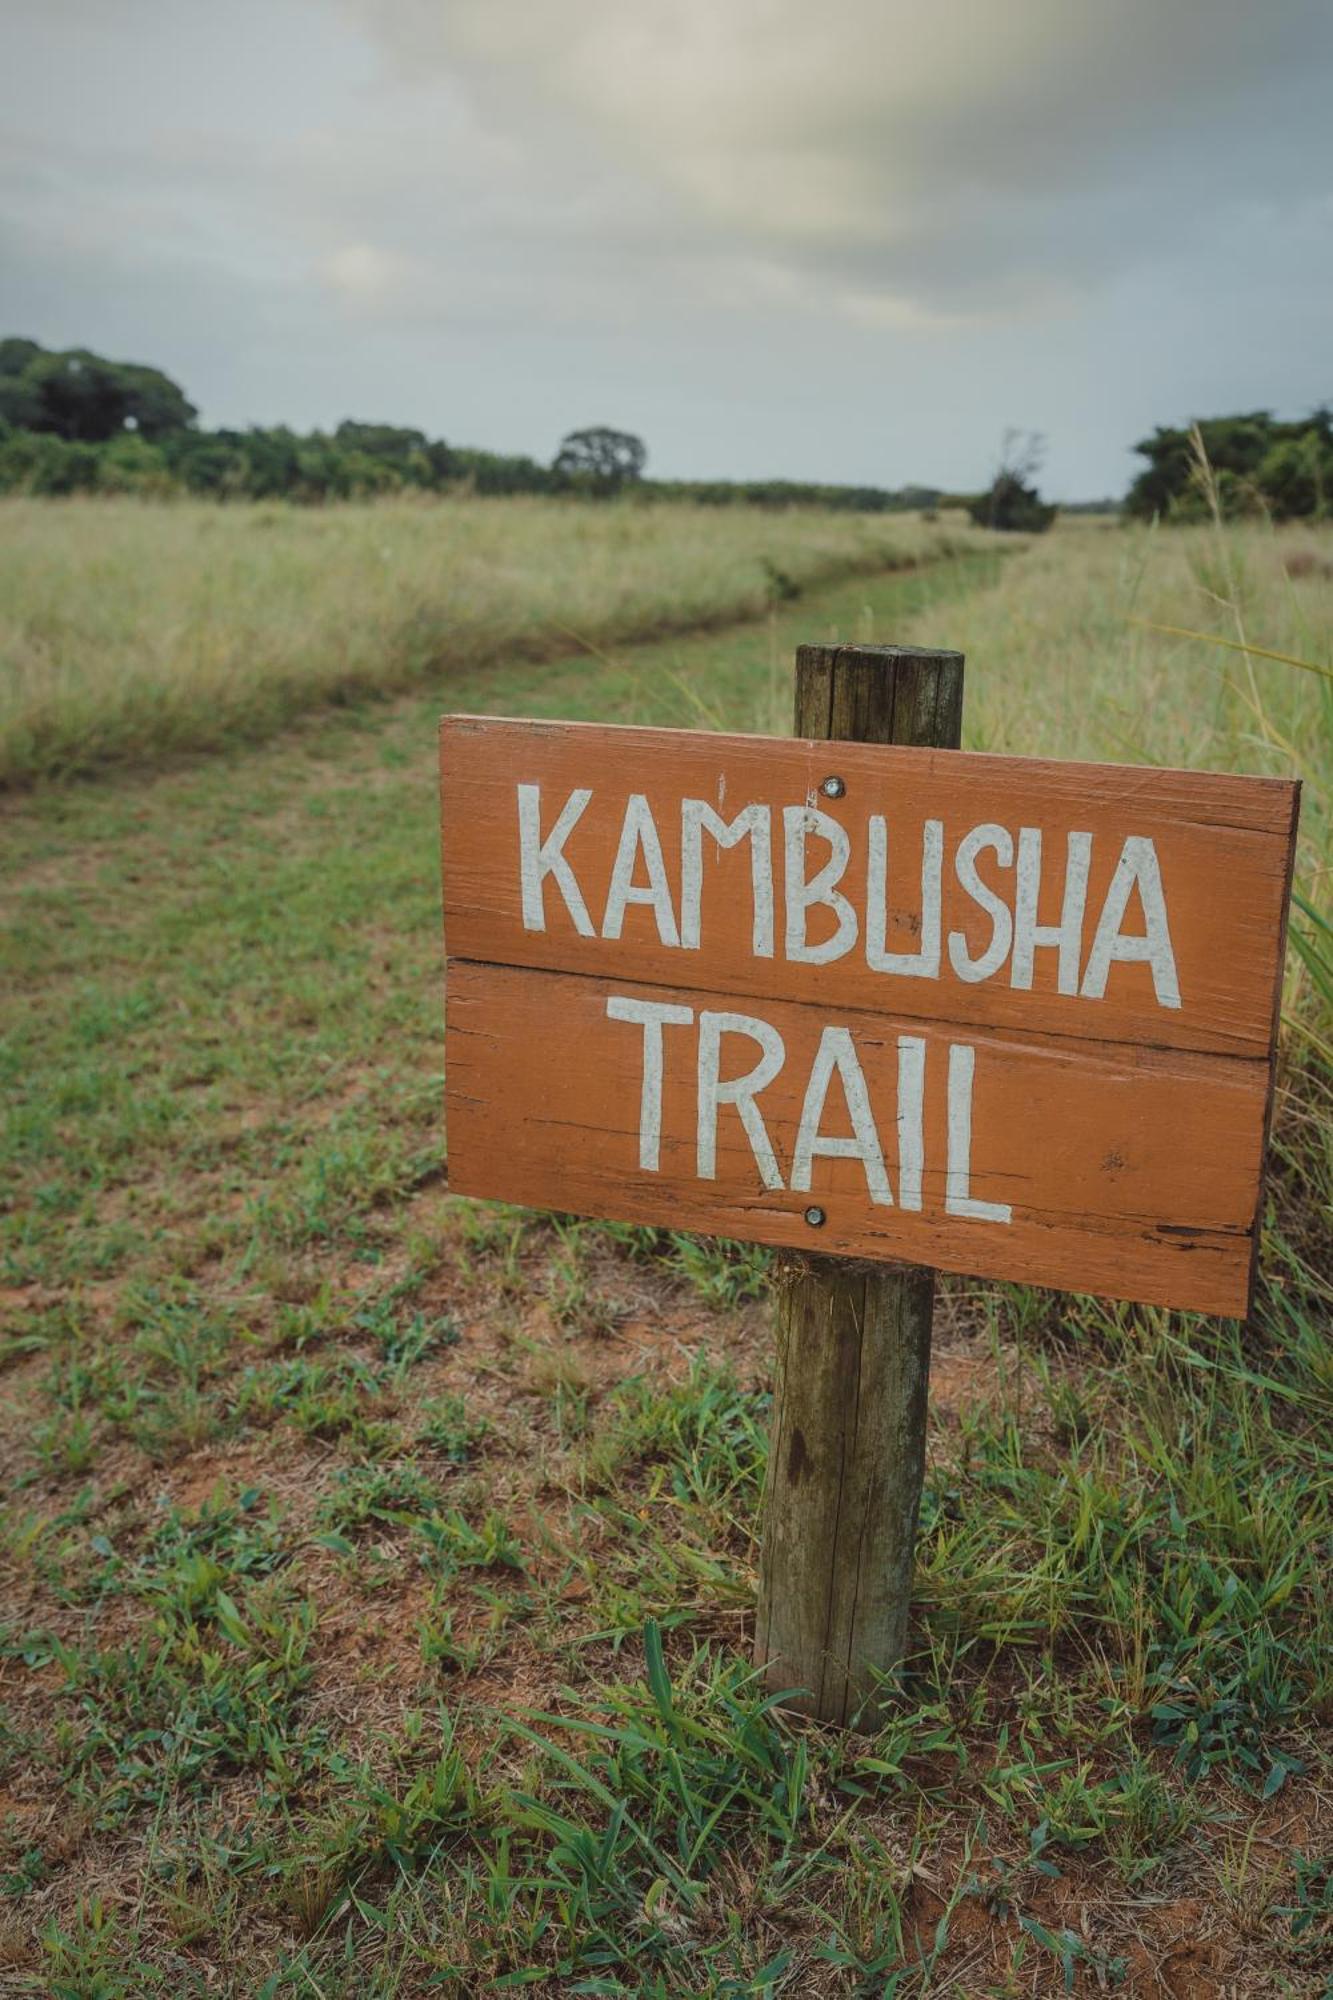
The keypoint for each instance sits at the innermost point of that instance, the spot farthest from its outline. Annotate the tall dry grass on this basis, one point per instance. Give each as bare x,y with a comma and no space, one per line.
1067,660
129,631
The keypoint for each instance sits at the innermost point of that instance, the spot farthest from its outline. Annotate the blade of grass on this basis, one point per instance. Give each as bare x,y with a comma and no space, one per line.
1233,646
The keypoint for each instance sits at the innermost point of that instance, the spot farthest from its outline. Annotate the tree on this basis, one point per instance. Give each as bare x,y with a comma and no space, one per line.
16,353
155,406
415,458
84,398
1012,502
1295,476
496,472
209,462
20,404
600,460
1246,464
130,464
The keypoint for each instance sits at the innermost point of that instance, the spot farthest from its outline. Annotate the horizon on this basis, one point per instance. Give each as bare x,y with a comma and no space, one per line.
330,428
467,445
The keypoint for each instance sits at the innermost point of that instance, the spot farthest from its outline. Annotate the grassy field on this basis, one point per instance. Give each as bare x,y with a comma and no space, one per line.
128,632
379,1568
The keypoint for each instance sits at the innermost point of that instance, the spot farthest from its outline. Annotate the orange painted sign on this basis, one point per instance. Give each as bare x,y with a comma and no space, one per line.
992,1014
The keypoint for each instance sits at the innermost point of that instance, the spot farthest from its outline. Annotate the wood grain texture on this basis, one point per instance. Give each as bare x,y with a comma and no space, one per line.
847,1454
1130,1178
846,1459
1224,845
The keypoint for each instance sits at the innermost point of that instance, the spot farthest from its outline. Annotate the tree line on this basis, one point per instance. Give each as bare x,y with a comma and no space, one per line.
74,422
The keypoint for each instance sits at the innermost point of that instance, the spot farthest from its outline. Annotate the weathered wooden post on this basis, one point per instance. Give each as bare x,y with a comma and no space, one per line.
853,1340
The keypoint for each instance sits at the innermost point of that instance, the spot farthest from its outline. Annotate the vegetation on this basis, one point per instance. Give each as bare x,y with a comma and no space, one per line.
378,1567
83,398
601,461
1012,503
1256,465
128,633
804,493
75,422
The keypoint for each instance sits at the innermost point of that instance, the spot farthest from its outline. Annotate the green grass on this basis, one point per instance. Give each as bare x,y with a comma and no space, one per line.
378,1568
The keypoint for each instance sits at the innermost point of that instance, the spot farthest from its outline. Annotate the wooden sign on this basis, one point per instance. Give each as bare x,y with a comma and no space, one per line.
989,1014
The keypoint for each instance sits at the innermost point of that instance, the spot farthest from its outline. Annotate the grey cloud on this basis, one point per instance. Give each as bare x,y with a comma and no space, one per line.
929,151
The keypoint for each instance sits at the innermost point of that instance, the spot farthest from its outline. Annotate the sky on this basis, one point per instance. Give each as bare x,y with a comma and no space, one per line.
848,240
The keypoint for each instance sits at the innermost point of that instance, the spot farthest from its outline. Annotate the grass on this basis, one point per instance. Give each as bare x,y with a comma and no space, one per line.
378,1568
134,632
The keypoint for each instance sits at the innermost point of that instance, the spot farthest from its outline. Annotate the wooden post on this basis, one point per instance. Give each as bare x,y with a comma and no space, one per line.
847,1452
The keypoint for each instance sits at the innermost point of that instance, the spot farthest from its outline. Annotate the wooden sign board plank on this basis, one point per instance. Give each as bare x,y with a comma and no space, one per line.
994,1015
1221,848
980,1146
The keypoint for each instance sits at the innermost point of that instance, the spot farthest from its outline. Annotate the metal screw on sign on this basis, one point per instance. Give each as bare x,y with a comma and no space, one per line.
815,1217
833,788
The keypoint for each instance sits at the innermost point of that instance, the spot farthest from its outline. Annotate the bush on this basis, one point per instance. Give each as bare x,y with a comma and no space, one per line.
36,462
1012,507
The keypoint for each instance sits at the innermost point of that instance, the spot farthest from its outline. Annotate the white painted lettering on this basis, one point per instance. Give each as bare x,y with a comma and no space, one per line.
697,818
803,893
924,962
740,1091
538,858
836,1051
652,1016
1066,937
970,970
638,835
958,1197
1136,868
911,1119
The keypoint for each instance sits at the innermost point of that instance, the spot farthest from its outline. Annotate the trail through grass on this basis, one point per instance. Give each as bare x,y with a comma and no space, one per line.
378,1568
130,632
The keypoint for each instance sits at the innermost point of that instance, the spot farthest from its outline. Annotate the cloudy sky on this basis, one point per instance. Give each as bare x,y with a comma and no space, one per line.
834,239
